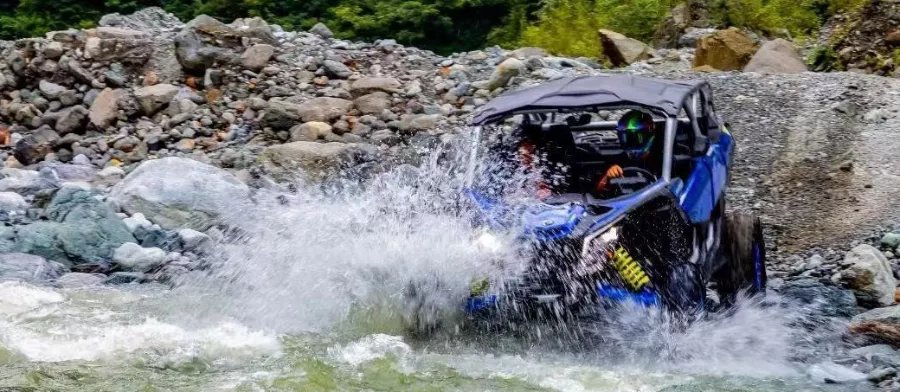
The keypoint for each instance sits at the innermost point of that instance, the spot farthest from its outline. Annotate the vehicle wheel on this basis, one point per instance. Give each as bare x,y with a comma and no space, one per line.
685,292
744,251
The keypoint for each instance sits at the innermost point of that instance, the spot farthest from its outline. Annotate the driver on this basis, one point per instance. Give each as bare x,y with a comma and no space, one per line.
636,136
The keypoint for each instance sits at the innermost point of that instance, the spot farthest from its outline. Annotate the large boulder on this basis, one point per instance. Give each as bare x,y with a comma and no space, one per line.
725,50
869,275
28,268
82,229
180,192
311,160
504,72
776,56
621,50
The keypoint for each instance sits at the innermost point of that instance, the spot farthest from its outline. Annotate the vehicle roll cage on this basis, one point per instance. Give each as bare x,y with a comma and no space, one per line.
665,98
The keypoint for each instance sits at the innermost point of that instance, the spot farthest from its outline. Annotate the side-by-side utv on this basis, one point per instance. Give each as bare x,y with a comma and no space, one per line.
660,234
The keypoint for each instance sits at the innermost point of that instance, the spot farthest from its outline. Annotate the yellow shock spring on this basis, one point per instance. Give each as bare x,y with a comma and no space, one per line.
630,270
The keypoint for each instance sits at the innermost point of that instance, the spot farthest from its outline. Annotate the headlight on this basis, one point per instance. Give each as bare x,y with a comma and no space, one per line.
489,241
599,241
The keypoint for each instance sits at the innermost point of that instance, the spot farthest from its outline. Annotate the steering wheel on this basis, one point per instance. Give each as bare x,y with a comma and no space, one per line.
633,179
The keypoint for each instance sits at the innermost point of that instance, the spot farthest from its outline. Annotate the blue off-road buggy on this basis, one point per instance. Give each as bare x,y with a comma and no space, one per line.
660,237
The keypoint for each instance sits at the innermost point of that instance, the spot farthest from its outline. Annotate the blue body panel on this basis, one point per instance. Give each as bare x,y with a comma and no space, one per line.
706,184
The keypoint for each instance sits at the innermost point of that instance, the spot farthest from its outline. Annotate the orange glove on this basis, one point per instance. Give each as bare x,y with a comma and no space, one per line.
614,171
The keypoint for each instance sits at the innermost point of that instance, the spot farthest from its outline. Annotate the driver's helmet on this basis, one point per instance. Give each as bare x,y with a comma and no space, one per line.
636,133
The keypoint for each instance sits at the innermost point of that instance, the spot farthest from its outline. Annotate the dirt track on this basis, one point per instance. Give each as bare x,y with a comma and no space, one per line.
815,159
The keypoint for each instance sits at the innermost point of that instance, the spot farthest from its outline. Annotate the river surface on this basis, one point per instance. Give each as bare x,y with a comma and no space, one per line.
312,293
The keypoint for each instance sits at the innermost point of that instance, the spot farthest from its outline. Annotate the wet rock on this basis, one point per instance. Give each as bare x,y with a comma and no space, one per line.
321,30
123,277
621,50
890,240
180,193
776,56
504,72
136,221
257,56
153,98
28,268
133,257
310,159
79,279
725,50
195,241
832,373
881,325
869,275
825,300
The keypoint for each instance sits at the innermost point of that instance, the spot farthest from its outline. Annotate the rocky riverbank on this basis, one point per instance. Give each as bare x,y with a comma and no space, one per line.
125,146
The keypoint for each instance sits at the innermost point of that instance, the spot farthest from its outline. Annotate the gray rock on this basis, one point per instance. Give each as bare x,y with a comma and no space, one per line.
310,131
321,30
337,69
72,119
12,202
368,85
28,268
133,257
373,103
257,56
827,301
150,19
26,181
105,108
193,54
776,56
136,221
867,352
504,72
310,159
323,109
79,279
419,122
123,277
869,275
34,146
692,35
153,98
621,50
281,114
889,314
195,241
890,240
180,192
830,372
50,90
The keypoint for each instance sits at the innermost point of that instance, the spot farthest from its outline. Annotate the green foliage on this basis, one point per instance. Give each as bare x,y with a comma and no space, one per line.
570,26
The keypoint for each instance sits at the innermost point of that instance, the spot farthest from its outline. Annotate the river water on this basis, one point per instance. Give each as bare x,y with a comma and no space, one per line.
311,292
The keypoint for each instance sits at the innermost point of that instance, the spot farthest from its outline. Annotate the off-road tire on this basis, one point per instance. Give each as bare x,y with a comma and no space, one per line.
685,292
744,269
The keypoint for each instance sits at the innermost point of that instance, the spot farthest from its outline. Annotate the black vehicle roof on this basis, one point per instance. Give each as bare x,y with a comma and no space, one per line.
587,91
